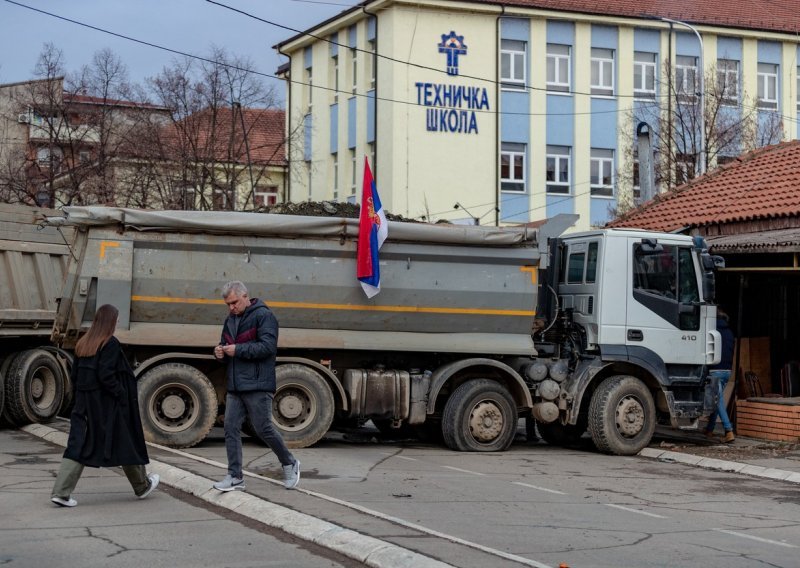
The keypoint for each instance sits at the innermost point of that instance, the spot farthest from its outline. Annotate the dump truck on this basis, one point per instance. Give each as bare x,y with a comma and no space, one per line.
34,378
608,332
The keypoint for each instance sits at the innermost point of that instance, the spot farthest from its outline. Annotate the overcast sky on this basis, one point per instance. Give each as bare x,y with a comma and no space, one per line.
184,25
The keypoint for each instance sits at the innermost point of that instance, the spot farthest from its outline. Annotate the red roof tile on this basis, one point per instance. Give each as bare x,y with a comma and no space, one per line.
773,15
761,184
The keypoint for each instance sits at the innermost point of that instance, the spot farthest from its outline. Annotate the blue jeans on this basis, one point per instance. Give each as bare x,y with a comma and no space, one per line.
258,406
721,411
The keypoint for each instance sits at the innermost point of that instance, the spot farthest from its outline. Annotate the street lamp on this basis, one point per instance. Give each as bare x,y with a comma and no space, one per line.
702,166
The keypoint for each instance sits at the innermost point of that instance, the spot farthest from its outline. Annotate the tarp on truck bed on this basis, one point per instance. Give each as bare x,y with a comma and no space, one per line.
263,224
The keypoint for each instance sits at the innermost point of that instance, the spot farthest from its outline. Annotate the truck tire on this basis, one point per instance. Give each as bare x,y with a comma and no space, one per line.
303,407
480,416
34,387
3,386
564,435
622,416
178,405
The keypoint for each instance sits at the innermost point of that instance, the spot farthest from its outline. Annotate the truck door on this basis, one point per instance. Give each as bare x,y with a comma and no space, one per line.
664,311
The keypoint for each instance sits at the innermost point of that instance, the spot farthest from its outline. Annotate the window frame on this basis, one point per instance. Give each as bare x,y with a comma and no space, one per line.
512,82
310,85
512,183
601,89
641,92
763,79
723,81
681,75
559,59
558,154
599,189
268,193
354,69
335,71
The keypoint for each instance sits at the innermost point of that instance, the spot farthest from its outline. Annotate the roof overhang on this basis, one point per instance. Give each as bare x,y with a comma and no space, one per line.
777,241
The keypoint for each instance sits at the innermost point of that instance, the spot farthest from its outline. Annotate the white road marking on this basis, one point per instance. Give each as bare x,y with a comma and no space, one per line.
758,538
405,458
635,511
376,514
462,470
538,488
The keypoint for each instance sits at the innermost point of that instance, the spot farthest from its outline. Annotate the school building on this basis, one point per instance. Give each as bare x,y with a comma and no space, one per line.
498,112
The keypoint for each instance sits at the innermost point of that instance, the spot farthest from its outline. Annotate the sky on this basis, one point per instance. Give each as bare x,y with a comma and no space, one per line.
190,26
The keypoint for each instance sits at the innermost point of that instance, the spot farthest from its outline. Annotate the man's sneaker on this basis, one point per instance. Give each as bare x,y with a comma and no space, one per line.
153,478
61,502
230,483
291,475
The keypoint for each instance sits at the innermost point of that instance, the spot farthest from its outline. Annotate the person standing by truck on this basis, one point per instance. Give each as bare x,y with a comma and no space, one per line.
248,345
723,372
105,426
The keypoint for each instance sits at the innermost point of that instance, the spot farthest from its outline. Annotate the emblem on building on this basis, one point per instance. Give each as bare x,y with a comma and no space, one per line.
452,45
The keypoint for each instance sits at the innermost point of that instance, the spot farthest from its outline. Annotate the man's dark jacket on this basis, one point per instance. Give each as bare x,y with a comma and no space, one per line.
728,343
255,334
105,426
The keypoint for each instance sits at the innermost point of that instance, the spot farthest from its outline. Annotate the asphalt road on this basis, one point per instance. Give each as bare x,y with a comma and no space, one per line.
534,505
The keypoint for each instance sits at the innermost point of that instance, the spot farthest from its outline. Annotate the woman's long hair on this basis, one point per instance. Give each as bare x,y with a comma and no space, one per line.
103,325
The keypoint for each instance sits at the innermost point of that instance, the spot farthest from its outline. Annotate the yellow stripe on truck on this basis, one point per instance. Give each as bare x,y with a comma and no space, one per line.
351,307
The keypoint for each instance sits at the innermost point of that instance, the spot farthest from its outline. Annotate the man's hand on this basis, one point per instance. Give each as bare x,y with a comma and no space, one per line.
229,350
218,353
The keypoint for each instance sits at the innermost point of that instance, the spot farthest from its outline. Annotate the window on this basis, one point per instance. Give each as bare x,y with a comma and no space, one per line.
371,155
637,187
558,68
644,75
601,173
310,86
512,167
684,168
353,174
663,277
373,64
557,176
591,262
354,57
512,64
602,71
336,176
84,156
767,85
335,80
728,81
575,268
265,196
222,199
46,159
686,76
308,169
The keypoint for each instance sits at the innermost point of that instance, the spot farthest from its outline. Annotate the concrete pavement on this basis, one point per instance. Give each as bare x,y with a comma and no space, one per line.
29,474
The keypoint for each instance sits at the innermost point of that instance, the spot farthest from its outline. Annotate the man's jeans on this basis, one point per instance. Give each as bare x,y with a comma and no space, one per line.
721,411
258,406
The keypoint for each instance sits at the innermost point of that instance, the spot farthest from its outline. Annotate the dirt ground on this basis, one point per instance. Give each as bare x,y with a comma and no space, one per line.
740,449
325,209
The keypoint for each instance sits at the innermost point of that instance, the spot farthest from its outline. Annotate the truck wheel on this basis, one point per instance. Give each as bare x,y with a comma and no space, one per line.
480,416
34,387
303,406
557,434
3,367
622,416
178,405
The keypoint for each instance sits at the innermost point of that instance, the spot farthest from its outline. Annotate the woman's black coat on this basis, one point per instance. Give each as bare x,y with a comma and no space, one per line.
105,426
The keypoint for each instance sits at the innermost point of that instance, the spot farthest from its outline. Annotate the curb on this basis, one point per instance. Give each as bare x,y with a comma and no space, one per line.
721,465
366,549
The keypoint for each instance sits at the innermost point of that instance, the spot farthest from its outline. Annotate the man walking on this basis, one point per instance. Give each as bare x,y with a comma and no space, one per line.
248,345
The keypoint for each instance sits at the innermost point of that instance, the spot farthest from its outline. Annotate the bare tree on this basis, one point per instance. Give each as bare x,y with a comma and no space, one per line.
210,157
731,120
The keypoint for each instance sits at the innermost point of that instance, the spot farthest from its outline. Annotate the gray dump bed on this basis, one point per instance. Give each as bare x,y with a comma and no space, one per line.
444,287
33,262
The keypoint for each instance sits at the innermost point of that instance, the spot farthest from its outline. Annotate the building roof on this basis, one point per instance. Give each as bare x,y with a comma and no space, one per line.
761,184
218,134
72,98
781,16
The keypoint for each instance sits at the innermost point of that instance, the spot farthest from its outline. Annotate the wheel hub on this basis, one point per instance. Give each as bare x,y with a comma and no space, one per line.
486,422
290,406
173,407
37,387
630,417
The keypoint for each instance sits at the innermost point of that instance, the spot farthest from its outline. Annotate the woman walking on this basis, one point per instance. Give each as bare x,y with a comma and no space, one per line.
105,427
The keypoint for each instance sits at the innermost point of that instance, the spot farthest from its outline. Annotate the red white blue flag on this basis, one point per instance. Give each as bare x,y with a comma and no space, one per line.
372,231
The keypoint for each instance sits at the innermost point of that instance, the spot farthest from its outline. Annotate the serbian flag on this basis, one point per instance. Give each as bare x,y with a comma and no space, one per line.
372,231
